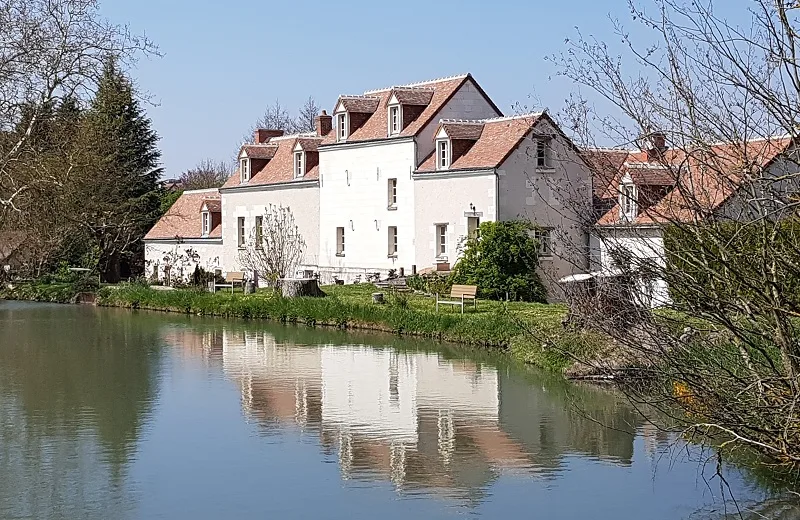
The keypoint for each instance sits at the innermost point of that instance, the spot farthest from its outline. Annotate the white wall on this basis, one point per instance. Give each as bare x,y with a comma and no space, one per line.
642,243
303,200
445,198
209,253
466,103
354,188
559,198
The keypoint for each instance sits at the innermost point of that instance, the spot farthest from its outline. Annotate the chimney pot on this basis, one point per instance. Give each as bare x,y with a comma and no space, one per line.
263,135
324,124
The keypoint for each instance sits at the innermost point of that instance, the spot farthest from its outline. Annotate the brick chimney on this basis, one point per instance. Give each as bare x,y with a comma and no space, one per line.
262,135
324,124
657,146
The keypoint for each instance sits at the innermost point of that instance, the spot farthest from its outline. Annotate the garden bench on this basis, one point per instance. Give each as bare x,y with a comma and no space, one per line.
461,293
231,279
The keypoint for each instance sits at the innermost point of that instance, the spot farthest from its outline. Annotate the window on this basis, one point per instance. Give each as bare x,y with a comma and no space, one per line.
206,223
240,232
259,230
394,120
244,170
341,126
542,235
473,226
627,201
543,153
441,240
299,170
339,241
392,193
393,241
442,154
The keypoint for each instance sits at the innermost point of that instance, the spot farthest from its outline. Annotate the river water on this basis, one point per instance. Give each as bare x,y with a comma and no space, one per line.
111,414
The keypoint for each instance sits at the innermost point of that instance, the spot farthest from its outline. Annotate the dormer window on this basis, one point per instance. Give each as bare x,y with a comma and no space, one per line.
244,170
395,120
341,126
206,217
627,202
299,164
442,154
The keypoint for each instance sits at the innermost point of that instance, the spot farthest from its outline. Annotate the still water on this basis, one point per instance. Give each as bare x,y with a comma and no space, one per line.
112,414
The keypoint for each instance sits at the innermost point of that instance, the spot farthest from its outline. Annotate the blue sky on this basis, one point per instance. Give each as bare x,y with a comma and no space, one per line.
225,61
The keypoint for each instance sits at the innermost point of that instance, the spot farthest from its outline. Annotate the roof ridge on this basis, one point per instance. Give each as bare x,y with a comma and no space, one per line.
202,190
462,121
509,118
358,96
304,135
418,84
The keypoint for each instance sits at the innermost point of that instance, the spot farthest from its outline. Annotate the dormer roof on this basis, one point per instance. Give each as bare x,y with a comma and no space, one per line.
439,90
411,95
358,104
280,168
183,218
212,205
259,151
459,129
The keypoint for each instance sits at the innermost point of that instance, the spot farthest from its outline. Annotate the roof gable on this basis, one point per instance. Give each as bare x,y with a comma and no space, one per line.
280,168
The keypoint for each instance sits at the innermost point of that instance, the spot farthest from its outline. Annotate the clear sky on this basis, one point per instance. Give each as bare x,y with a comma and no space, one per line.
225,61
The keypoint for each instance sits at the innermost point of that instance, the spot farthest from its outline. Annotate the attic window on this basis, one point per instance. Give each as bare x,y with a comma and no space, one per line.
341,126
442,154
299,161
543,153
244,170
395,120
627,202
206,223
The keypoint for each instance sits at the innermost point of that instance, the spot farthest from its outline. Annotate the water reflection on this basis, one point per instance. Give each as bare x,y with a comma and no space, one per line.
419,420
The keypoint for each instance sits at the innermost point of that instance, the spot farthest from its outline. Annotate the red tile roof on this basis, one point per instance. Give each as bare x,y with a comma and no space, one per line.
462,129
260,151
376,127
704,179
183,218
412,95
280,167
213,205
360,104
498,138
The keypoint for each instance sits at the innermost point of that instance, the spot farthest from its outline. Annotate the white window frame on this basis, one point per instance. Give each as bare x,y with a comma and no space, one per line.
340,241
206,219
441,240
628,203
241,239
392,241
443,154
395,127
391,188
545,238
544,153
342,126
299,164
244,169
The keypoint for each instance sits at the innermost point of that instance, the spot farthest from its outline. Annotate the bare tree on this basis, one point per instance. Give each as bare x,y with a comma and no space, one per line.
275,247
722,358
49,50
307,118
206,174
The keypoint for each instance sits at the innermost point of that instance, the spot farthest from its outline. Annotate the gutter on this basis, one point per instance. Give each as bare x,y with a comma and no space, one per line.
273,185
444,174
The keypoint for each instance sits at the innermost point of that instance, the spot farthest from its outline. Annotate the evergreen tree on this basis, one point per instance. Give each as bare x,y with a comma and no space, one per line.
122,184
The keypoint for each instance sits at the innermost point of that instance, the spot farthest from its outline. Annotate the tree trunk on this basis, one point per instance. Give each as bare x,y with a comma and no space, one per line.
294,287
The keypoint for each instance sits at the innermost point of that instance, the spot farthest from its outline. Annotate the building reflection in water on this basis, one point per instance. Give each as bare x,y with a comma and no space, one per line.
424,423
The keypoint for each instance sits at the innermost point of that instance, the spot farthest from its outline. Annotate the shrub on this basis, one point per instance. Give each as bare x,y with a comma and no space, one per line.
502,260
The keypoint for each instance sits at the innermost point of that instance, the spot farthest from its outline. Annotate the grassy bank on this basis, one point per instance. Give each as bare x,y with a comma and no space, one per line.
530,332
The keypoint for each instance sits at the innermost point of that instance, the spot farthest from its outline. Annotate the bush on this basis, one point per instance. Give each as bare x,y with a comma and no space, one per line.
431,283
502,260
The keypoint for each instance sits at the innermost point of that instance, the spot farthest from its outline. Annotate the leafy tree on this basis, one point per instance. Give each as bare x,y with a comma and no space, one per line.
502,260
276,246
121,189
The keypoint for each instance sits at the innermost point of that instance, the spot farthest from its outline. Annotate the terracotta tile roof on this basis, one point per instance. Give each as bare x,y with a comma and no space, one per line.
360,104
705,180
412,95
650,174
183,218
260,151
280,167
462,129
376,126
213,205
499,137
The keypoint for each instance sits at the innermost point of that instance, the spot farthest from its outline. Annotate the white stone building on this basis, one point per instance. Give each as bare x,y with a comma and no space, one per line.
396,178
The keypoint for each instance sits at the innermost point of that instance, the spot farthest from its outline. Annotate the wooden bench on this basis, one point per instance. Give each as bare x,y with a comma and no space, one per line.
461,293
231,279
